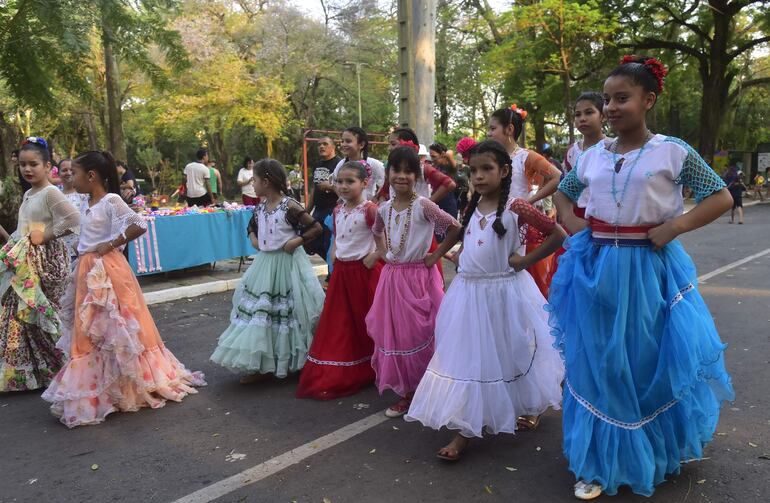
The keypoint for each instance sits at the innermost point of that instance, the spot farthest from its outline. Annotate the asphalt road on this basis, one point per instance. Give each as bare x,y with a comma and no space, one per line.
167,454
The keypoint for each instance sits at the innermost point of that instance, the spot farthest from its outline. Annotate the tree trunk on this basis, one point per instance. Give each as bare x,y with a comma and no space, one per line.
115,138
539,123
716,85
566,84
93,138
442,84
8,143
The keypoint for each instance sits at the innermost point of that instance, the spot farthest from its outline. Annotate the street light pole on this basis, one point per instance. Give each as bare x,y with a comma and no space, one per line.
358,65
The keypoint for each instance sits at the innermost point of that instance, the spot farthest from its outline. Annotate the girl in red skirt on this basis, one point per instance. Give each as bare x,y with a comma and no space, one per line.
339,360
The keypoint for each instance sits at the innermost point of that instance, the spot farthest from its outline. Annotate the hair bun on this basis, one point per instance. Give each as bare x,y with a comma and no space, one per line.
653,65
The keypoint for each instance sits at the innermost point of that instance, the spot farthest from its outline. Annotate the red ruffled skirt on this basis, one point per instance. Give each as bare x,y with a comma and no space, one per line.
339,361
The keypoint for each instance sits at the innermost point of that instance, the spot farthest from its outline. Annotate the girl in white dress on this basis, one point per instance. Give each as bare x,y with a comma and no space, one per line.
34,267
494,358
117,360
410,289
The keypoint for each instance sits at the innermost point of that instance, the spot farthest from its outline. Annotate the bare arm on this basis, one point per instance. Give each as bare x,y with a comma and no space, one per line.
565,211
551,178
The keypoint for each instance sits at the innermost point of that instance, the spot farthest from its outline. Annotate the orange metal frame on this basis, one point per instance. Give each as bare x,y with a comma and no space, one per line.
322,133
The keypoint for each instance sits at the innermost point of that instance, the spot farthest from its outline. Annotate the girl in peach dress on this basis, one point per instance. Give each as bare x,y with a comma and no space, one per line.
118,361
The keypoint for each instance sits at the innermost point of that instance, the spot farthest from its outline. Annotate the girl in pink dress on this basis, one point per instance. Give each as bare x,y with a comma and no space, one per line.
410,290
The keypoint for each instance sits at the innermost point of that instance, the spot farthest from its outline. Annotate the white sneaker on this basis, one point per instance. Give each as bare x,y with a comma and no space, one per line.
585,491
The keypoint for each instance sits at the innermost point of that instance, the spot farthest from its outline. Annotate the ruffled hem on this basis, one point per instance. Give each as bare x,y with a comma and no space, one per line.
275,311
636,427
236,352
473,407
638,456
119,374
326,381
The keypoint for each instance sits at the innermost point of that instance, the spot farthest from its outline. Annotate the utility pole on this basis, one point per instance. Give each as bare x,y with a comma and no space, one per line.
358,66
417,66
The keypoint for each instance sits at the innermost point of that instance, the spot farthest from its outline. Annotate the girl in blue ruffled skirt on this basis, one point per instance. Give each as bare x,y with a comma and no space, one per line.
645,373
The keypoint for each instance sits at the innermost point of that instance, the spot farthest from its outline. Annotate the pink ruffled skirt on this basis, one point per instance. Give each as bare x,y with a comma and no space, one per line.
401,323
118,361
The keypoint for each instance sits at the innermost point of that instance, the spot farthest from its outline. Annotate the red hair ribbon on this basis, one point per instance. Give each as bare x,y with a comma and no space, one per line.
522,113
409,143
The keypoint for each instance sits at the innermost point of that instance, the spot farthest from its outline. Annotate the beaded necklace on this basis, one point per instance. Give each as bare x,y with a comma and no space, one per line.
616,170
407,225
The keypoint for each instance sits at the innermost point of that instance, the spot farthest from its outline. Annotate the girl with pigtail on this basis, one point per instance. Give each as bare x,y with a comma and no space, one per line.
645,371
494,362
529,170
279,300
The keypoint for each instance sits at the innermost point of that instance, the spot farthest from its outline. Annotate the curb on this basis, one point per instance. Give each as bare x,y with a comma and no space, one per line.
189,291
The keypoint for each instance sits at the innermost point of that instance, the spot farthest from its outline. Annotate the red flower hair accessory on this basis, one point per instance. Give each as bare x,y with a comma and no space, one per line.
653,65
464,146
409,143
522,113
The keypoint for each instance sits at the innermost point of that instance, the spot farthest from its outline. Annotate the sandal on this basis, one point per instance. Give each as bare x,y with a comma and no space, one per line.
399,408
528,422
585,491
452,454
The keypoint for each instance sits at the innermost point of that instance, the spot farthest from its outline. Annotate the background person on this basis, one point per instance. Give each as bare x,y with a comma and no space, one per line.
197,180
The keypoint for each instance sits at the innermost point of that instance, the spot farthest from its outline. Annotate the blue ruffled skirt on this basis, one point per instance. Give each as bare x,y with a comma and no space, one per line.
644,363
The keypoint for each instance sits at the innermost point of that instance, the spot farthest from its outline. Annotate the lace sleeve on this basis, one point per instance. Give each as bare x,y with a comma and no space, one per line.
440,219
253,225
528,215
571,186
65,216
123,217
302,222
697,174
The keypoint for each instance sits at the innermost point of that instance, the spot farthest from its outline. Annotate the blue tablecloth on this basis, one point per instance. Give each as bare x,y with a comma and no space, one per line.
177,242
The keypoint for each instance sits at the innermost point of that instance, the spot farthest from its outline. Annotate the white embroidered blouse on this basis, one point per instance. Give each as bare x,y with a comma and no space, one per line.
647,190
426,219
484,252
353,236
105,221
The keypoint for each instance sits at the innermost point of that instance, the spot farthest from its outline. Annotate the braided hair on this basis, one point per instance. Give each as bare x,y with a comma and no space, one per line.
274,172
497,151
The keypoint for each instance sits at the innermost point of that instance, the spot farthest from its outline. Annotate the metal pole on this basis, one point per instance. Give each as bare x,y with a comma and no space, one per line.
358,75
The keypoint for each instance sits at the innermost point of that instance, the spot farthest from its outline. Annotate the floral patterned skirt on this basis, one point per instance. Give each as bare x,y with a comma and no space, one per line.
32,280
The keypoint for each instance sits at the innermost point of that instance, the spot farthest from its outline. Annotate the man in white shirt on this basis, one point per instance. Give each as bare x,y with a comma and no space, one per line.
196,179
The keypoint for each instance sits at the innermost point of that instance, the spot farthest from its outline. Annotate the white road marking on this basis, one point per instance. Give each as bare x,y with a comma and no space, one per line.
731,265
285,460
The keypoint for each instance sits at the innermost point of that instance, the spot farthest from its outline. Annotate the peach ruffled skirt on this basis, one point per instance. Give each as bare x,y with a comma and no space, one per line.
117,360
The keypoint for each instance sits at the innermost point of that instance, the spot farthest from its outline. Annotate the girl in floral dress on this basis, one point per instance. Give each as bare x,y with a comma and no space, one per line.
34,266
117,360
